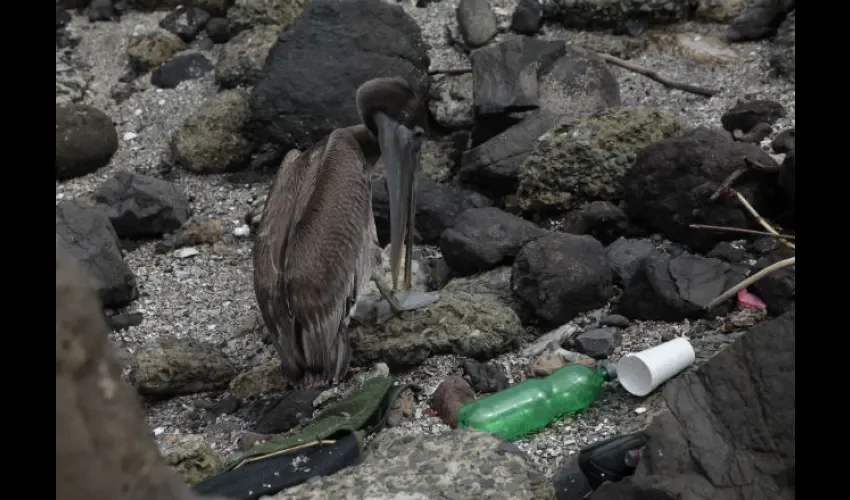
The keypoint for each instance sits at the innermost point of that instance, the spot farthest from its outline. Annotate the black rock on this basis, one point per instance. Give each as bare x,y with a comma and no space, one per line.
570,482
505,74
739,408
601,219
122,321
101,10
494,166
675,288
560,276
614,320
744,116
476,22
599,343
485,238
485,377
140,206
725,251
185,22
669,186
760,21
308,89
785,141
522,87
294,408
786,176
756,134
226,406
527,17
62,17
218,29
625,256
437,206
769,245
777,289
86,139
87,234
180,68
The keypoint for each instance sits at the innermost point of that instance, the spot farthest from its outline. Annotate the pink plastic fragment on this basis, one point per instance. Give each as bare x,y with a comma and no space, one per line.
746,299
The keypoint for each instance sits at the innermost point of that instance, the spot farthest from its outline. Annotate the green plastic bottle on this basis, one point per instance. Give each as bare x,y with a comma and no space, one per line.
535,403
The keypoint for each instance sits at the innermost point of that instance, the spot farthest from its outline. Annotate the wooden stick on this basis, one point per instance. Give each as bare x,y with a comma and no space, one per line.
761,220
449,71
749,281
740,230
757,165
653,75
727,183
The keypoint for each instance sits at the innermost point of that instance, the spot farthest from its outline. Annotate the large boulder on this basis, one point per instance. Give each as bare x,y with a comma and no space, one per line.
87,234
464,463
484,238
586,160
104,450
598,14
730,429
783,50
308,88
522,87
85,140
248,13
141,206
214,138
670,184
560,276
480,327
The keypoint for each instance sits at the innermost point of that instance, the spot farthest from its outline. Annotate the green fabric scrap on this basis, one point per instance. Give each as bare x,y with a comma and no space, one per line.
363,411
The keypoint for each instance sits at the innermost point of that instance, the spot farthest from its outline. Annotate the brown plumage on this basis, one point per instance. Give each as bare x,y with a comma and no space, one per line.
316,246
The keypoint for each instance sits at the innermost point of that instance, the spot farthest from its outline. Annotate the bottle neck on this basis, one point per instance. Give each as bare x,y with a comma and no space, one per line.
608,372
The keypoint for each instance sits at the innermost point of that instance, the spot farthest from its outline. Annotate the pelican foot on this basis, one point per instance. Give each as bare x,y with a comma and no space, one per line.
404,301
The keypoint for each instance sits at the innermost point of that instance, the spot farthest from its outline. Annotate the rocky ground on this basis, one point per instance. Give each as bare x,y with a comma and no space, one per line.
201,289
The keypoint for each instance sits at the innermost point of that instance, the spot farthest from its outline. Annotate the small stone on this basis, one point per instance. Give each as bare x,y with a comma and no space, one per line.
599,343
747,114
185,253
453,393
785,141
485,377
180,68
129,136
218,29
640,411
198,233
185,22
242,231
477,22
614,320
527,17
548,362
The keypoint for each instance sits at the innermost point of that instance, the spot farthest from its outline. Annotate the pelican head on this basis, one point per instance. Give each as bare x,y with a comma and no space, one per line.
395,115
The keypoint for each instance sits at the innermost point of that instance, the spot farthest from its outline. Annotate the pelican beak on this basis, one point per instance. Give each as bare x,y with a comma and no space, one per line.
400,147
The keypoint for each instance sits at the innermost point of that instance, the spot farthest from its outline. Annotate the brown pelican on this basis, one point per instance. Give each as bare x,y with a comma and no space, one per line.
316,247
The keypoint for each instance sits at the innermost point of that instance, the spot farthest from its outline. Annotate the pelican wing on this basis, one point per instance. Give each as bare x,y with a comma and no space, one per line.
315,235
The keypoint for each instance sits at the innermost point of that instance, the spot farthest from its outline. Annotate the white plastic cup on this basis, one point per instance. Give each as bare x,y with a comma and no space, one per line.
642,372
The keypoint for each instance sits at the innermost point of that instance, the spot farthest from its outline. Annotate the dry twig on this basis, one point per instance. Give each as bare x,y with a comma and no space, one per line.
449,71
749,281
654,75
740,230
727,183
761,220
